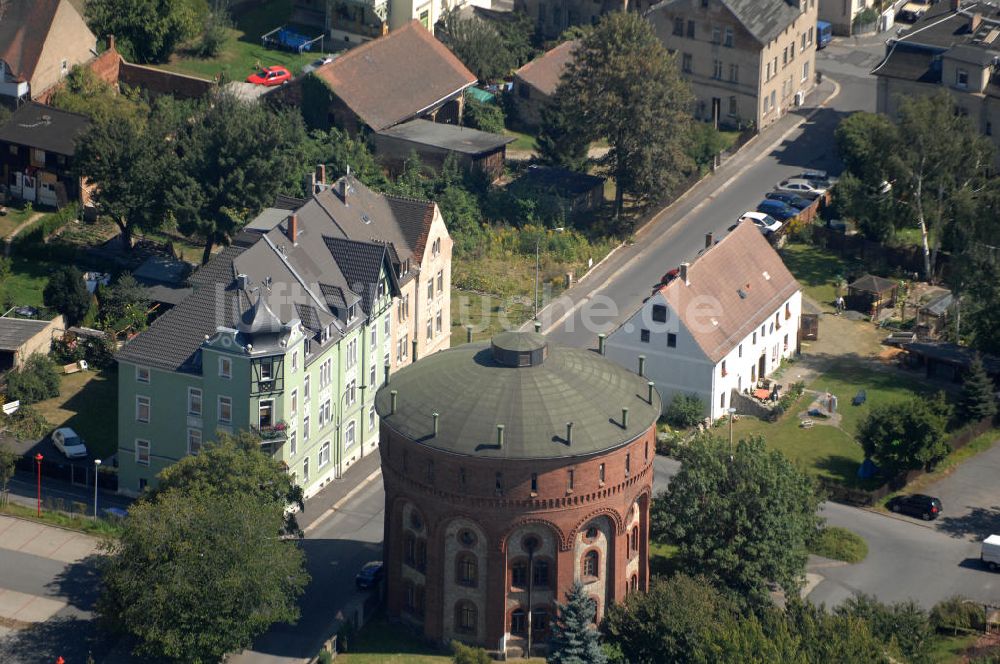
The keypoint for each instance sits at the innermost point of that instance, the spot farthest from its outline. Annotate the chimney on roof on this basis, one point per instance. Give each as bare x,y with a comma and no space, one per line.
321,175
684,273
111,42
974,21
344,188
293,228
708,240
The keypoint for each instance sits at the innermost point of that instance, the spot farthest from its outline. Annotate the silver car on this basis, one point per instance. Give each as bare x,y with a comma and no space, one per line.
69,443
800,187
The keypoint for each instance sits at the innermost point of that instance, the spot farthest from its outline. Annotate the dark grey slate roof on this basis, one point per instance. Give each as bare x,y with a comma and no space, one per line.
939,305
871,283
44,127
763,19
952,354
15,332
448,137
361,263
473,393
171,295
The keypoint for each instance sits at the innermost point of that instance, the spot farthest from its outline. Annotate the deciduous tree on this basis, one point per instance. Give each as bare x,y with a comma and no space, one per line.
36,380
8,461
196,574
147,30
233,161
906,435
624,85
742,520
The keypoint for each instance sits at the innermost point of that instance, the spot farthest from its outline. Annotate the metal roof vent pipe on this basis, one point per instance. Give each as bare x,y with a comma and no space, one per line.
414,350
601,338
624,418
569,433
386,370
684,273
392,401
709,238
642,365
500,436
468,334
435,417
649,392
538,326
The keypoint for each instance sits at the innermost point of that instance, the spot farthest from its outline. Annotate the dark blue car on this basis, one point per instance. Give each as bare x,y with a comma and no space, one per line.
369,576
794,201
777,209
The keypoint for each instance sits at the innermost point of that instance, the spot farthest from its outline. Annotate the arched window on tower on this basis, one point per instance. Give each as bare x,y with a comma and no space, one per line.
519,574
519,622
467,569
466,617
591,565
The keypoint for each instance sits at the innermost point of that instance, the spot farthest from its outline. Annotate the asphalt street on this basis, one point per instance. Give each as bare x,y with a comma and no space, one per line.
617,287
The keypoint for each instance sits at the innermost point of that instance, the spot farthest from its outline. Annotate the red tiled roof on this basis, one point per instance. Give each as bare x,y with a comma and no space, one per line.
742,261
24,27
543,72
396,77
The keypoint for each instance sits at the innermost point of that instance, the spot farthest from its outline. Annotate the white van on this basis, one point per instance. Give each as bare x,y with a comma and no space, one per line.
991,552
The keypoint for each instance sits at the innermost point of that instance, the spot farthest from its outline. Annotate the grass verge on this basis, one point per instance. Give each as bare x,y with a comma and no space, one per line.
71,521
27,281
87,402
839,544
950,649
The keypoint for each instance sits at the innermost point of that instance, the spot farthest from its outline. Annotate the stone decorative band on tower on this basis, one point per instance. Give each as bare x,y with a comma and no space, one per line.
509,475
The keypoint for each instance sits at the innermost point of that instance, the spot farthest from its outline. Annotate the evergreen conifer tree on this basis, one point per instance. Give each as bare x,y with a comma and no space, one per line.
977,401
574,640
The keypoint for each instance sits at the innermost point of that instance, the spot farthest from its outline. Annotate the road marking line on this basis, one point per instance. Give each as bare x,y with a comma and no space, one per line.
336,506
765,153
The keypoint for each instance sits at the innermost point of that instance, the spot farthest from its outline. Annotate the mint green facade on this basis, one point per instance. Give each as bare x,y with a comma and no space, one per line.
311,402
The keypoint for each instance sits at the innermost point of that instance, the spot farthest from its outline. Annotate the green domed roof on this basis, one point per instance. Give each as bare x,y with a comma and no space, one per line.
475,387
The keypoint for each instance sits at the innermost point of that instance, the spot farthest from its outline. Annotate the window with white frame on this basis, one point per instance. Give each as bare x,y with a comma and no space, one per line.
324,413
430,290
440,282
352,352
293,443
323,457
142,452
371,419
194,441
225,410
295,360
266,370
225,367
436,247
349,435
372,376
373,338
385,327
805,70
305,389
430,329
142,409
305,429
142,374
194,401
352,392
437,323
305,469
295,403
265,413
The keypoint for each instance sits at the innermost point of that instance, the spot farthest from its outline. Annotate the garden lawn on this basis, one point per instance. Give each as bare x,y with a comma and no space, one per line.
87,403
827,450
14,218
817,270
243,50
382,643
523,142
950,649
27,281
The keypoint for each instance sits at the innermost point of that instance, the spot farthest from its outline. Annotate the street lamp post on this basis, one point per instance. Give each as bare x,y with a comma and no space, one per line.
732,411
38,465
97,465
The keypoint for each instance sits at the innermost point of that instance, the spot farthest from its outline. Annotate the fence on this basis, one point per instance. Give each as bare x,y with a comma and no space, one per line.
873,254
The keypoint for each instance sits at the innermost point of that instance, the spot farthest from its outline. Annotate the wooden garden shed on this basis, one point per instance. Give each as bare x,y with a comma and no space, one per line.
871,294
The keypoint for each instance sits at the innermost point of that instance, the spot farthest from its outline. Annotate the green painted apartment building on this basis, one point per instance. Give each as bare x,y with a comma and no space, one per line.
287,333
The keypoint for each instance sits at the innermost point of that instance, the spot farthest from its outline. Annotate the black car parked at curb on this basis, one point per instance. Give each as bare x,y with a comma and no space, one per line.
917,504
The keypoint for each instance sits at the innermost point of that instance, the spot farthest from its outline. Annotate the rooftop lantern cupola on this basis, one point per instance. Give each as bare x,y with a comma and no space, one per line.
519,349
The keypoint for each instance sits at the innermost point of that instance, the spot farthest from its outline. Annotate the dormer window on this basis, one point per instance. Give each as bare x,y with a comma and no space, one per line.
961,79
352,312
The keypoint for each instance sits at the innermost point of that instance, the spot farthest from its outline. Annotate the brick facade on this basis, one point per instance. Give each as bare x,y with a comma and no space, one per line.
460,529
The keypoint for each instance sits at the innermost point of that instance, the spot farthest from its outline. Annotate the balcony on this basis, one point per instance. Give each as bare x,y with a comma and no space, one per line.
272,433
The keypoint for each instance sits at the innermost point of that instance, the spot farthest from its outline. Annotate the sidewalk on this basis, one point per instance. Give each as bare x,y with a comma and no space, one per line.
320,505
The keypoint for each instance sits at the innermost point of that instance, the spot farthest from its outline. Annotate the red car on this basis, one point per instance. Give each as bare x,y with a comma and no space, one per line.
270,76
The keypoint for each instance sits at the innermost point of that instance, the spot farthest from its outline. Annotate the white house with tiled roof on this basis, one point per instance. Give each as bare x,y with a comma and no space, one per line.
726,322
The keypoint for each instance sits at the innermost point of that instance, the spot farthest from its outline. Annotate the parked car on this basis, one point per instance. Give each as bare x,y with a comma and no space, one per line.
800,187
822,178
765,222
917,504
795,201
369,576
270,76
69,443
777,209
317,63
990,554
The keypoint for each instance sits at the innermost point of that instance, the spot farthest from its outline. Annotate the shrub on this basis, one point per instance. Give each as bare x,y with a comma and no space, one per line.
463,654
325,657
839,544
685,410
36,381
483,116
668,442
26,424
956,613
67,293
791,395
